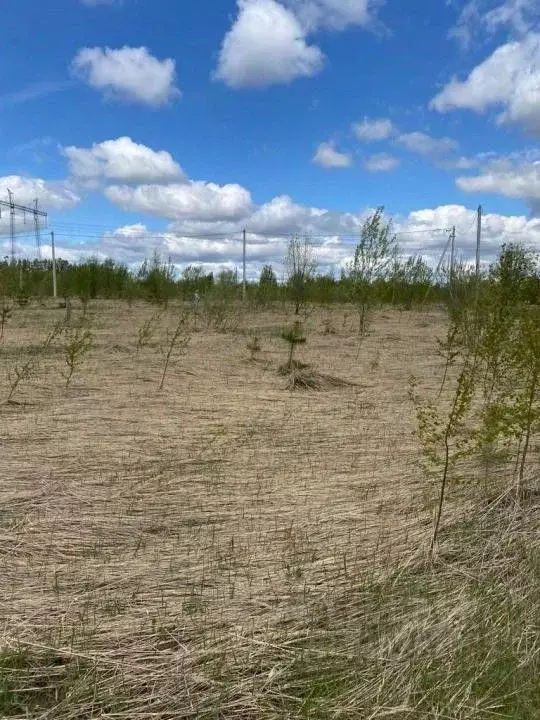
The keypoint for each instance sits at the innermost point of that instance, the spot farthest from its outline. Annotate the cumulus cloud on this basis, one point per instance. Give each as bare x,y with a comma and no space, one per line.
373,129
282,215
519,181
381,162
334,235
265,46
508,79
128,74
423,144
50,195
421,232
54,195
416,232
267,43
328,157
122,160
378,129
194,200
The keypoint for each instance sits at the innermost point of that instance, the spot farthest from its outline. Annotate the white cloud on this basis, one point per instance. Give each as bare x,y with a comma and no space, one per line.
282,215
121,160
129,74
508,79
133,243
374,129
423,144
521,181
381,162
194,201
460,162
422,232
51,195
266,45
333,14
417,232
328,157
277,217
519,16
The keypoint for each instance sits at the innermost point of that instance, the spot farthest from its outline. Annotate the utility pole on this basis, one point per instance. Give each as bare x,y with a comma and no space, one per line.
36,228
244,287
53,264
452,256
12,224
477,275
478,239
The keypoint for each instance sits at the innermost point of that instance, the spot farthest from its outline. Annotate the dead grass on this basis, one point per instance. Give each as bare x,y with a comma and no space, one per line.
168,555
306,379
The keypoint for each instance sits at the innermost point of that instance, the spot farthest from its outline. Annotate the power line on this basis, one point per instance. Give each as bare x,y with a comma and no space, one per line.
235,234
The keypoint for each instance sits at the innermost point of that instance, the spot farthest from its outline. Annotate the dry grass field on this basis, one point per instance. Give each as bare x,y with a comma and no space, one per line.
222,548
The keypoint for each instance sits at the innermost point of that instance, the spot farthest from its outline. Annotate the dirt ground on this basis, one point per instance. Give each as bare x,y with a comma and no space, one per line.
216,507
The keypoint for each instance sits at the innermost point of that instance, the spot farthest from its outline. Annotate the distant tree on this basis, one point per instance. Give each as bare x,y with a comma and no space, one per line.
408,281
157,279
228,278
515,273
195,280
301,265
267,289
268,277
227,284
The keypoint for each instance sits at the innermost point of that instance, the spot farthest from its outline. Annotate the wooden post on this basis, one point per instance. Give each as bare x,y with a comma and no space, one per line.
53,263
478,239
452,257
244,281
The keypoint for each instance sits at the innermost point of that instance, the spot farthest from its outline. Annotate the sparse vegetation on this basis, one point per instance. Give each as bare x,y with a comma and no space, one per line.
176,340
230,550
373,259
5,315
148,329
26,369
293,335
77,345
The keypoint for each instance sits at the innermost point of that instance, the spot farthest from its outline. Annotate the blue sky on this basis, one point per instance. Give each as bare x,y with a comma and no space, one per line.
143,124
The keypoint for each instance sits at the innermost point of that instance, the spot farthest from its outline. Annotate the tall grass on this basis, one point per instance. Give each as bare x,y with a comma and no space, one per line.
455,640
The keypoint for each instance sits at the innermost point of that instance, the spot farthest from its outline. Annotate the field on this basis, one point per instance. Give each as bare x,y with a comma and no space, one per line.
228,548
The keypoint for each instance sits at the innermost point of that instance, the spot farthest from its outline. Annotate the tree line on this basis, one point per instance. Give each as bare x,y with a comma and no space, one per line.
377,274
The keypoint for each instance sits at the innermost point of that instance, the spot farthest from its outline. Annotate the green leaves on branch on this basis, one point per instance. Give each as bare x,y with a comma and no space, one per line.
374,257
492,358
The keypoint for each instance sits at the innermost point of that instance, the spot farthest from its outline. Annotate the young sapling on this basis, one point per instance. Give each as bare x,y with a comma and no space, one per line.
294,336
78,344
5,315
178,337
